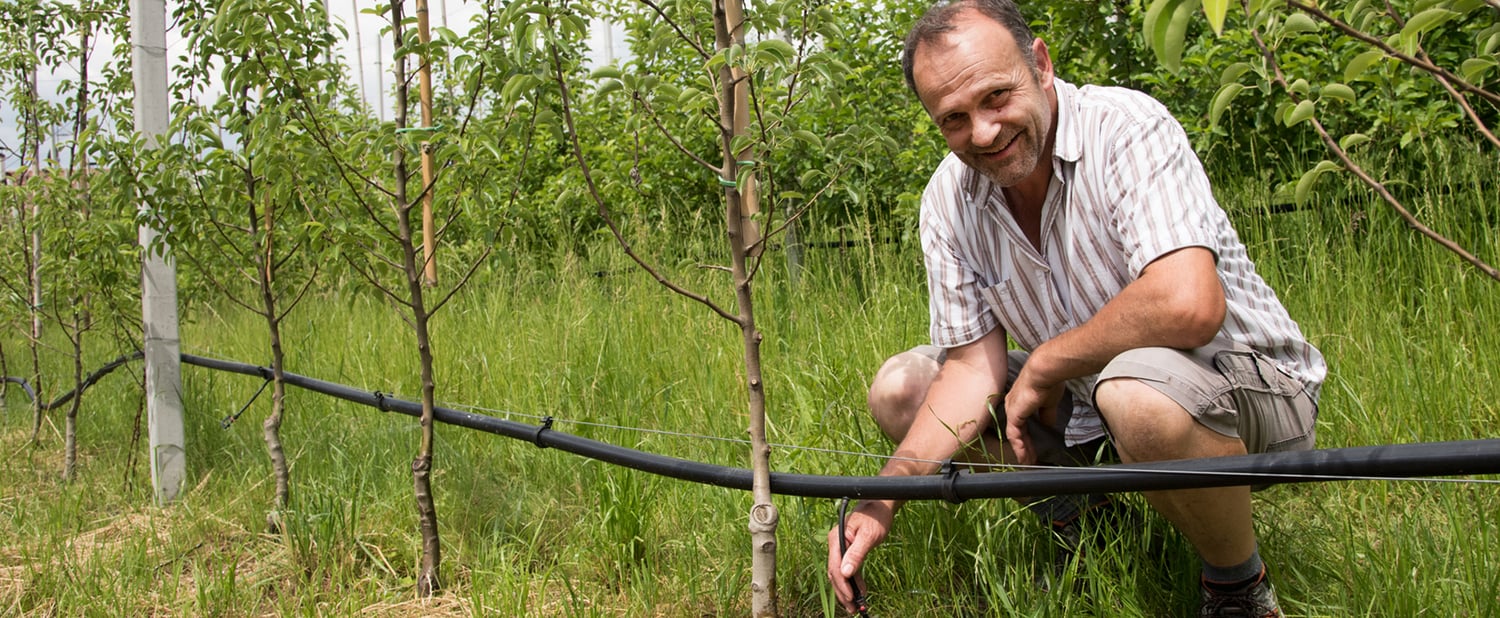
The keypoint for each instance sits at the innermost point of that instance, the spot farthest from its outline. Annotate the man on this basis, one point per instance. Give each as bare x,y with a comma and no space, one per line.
1078,222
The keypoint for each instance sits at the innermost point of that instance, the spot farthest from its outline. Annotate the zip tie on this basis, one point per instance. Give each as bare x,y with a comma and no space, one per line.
537,438
380,402
227,421
950,478
432,129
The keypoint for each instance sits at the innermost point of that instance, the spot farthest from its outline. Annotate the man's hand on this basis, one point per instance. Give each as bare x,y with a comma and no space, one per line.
1029,397
866,528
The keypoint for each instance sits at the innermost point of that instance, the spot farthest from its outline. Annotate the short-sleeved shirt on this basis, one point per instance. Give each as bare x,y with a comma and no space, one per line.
1126,189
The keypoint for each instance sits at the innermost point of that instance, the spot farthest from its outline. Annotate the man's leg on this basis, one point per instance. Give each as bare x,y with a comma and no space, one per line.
900,387
896,396
1222,399
1146,425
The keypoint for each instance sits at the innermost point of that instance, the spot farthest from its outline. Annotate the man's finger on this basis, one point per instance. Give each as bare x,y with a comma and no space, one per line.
859,546
836,577
1016,435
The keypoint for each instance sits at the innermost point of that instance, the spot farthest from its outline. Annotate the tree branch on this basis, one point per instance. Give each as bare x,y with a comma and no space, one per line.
656,121
702,53
1393,52
588,178
1364,177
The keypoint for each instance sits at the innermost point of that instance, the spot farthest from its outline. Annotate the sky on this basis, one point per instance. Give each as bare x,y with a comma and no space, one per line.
365,53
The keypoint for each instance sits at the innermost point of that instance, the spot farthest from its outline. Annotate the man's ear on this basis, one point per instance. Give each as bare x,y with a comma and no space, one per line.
1043,62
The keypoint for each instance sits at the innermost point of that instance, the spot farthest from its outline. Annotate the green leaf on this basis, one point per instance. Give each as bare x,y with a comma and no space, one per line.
1298,23
1233,72
1466,6
1221,102
1166,29
1305,184
1421,23
808,137
607,86
1301,112
776,48
1488,39
1338,91
511,91
1216,10
1425,21
1300,86
1473,69
608,72
1358,64
1351,140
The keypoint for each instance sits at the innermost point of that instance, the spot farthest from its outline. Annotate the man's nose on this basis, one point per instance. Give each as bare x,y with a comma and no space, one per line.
987,128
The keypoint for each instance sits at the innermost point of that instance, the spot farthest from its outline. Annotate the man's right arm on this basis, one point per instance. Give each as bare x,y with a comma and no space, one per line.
953,415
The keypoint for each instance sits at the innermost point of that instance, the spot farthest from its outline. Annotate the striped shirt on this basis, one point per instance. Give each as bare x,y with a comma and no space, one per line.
1126,189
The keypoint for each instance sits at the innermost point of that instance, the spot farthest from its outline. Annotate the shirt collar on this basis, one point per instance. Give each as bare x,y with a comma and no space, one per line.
1069,144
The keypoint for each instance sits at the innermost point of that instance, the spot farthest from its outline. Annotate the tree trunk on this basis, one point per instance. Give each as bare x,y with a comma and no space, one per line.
34,148
271,428
70,425
428,581
749,186
728,19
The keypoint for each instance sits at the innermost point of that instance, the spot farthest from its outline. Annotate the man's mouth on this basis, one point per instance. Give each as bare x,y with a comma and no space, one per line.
995,154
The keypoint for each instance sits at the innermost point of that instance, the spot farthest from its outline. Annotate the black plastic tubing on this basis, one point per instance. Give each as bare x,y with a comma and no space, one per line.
1427,459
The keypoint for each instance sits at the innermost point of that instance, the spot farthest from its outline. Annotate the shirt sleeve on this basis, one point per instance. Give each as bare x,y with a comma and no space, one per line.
1163,199
958,314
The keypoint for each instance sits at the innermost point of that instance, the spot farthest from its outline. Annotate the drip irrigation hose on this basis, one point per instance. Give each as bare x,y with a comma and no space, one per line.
1394,461
88,381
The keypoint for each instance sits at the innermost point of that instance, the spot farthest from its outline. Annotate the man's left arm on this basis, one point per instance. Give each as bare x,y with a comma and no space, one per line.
1177,302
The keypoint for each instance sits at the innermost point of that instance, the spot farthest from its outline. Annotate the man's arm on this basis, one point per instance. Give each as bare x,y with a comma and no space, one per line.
1178,302
952,416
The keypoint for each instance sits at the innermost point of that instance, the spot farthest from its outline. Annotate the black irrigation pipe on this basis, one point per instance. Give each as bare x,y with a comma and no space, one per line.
88,380
1393,461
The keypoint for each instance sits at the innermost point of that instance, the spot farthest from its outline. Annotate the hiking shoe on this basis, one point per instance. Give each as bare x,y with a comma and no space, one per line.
1257,601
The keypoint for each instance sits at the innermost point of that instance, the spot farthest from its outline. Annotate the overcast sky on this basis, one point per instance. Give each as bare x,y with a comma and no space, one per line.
364,51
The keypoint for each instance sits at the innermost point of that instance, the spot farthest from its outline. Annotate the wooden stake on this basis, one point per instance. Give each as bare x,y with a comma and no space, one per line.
424,75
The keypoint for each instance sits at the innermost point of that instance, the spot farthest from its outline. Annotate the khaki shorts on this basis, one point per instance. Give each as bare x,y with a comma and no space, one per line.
1225,386
1229,388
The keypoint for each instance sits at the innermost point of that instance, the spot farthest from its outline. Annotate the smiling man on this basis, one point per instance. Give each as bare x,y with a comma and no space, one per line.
1078,222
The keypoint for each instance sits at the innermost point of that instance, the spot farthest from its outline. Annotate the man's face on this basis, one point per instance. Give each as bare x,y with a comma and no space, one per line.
992,107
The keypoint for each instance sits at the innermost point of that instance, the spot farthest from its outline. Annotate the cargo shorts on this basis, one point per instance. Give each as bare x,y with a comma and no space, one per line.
1230,389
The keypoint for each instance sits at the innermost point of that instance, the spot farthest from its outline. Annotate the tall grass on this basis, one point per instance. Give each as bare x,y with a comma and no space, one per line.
1408,331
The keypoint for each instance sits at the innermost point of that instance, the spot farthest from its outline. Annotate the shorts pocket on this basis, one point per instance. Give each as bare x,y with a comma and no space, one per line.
1275,414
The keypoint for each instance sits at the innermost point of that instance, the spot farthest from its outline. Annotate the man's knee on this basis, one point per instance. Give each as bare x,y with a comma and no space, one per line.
899,389
1147,425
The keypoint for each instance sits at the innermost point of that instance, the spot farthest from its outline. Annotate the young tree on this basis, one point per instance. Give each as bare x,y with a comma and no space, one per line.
742,96
373,227
235,189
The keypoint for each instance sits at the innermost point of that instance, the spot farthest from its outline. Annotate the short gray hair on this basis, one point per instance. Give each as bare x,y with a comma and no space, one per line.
938,20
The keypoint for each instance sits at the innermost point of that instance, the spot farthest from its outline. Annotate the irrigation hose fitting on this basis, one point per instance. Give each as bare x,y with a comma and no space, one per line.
537,438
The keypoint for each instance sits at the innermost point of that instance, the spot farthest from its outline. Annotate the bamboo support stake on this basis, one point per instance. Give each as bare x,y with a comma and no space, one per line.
424,76
734,15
